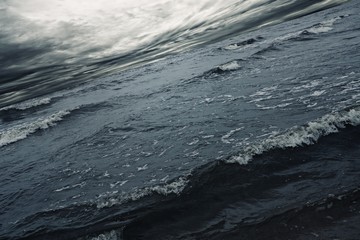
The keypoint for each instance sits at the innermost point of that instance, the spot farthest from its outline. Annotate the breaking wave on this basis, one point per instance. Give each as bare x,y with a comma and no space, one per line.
225,68
116,198
27,104
299,136
22,131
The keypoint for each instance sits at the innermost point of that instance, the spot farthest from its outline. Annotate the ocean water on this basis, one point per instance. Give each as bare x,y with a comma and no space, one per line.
179,120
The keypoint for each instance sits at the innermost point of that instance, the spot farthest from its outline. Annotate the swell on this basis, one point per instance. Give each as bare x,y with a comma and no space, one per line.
223,196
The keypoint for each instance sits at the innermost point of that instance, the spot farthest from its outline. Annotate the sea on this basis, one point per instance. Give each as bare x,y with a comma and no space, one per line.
163,119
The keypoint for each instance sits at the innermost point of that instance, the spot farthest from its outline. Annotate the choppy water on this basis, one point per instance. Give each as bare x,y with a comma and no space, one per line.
248,135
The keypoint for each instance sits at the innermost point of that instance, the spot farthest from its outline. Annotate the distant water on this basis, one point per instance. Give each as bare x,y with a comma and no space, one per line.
179,120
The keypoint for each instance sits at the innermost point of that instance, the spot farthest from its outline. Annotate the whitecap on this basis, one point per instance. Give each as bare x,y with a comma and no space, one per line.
21,131
27,104
230,66
110,199
300,135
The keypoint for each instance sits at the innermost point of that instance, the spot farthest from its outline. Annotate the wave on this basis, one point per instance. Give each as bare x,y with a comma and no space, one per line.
27,104
225,201
110,199
296,136
22,131
300,136
225,68
96,214
212,186
222,199
244,43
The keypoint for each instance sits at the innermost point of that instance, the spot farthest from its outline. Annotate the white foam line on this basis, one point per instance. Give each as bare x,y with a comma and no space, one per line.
27,104
116,198
21,131
299,136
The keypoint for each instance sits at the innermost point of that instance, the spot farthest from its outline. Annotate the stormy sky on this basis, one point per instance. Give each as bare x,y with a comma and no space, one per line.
38,32
67,31
41,40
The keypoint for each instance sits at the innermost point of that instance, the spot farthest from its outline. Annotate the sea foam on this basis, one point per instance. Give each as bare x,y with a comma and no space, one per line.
115,198
27,104
300,135
21,131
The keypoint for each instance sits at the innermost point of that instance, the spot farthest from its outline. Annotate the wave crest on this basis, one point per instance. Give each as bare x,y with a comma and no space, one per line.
299,136
21,131
115,198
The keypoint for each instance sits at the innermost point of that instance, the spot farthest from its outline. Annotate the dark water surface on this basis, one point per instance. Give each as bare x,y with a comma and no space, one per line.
251,136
